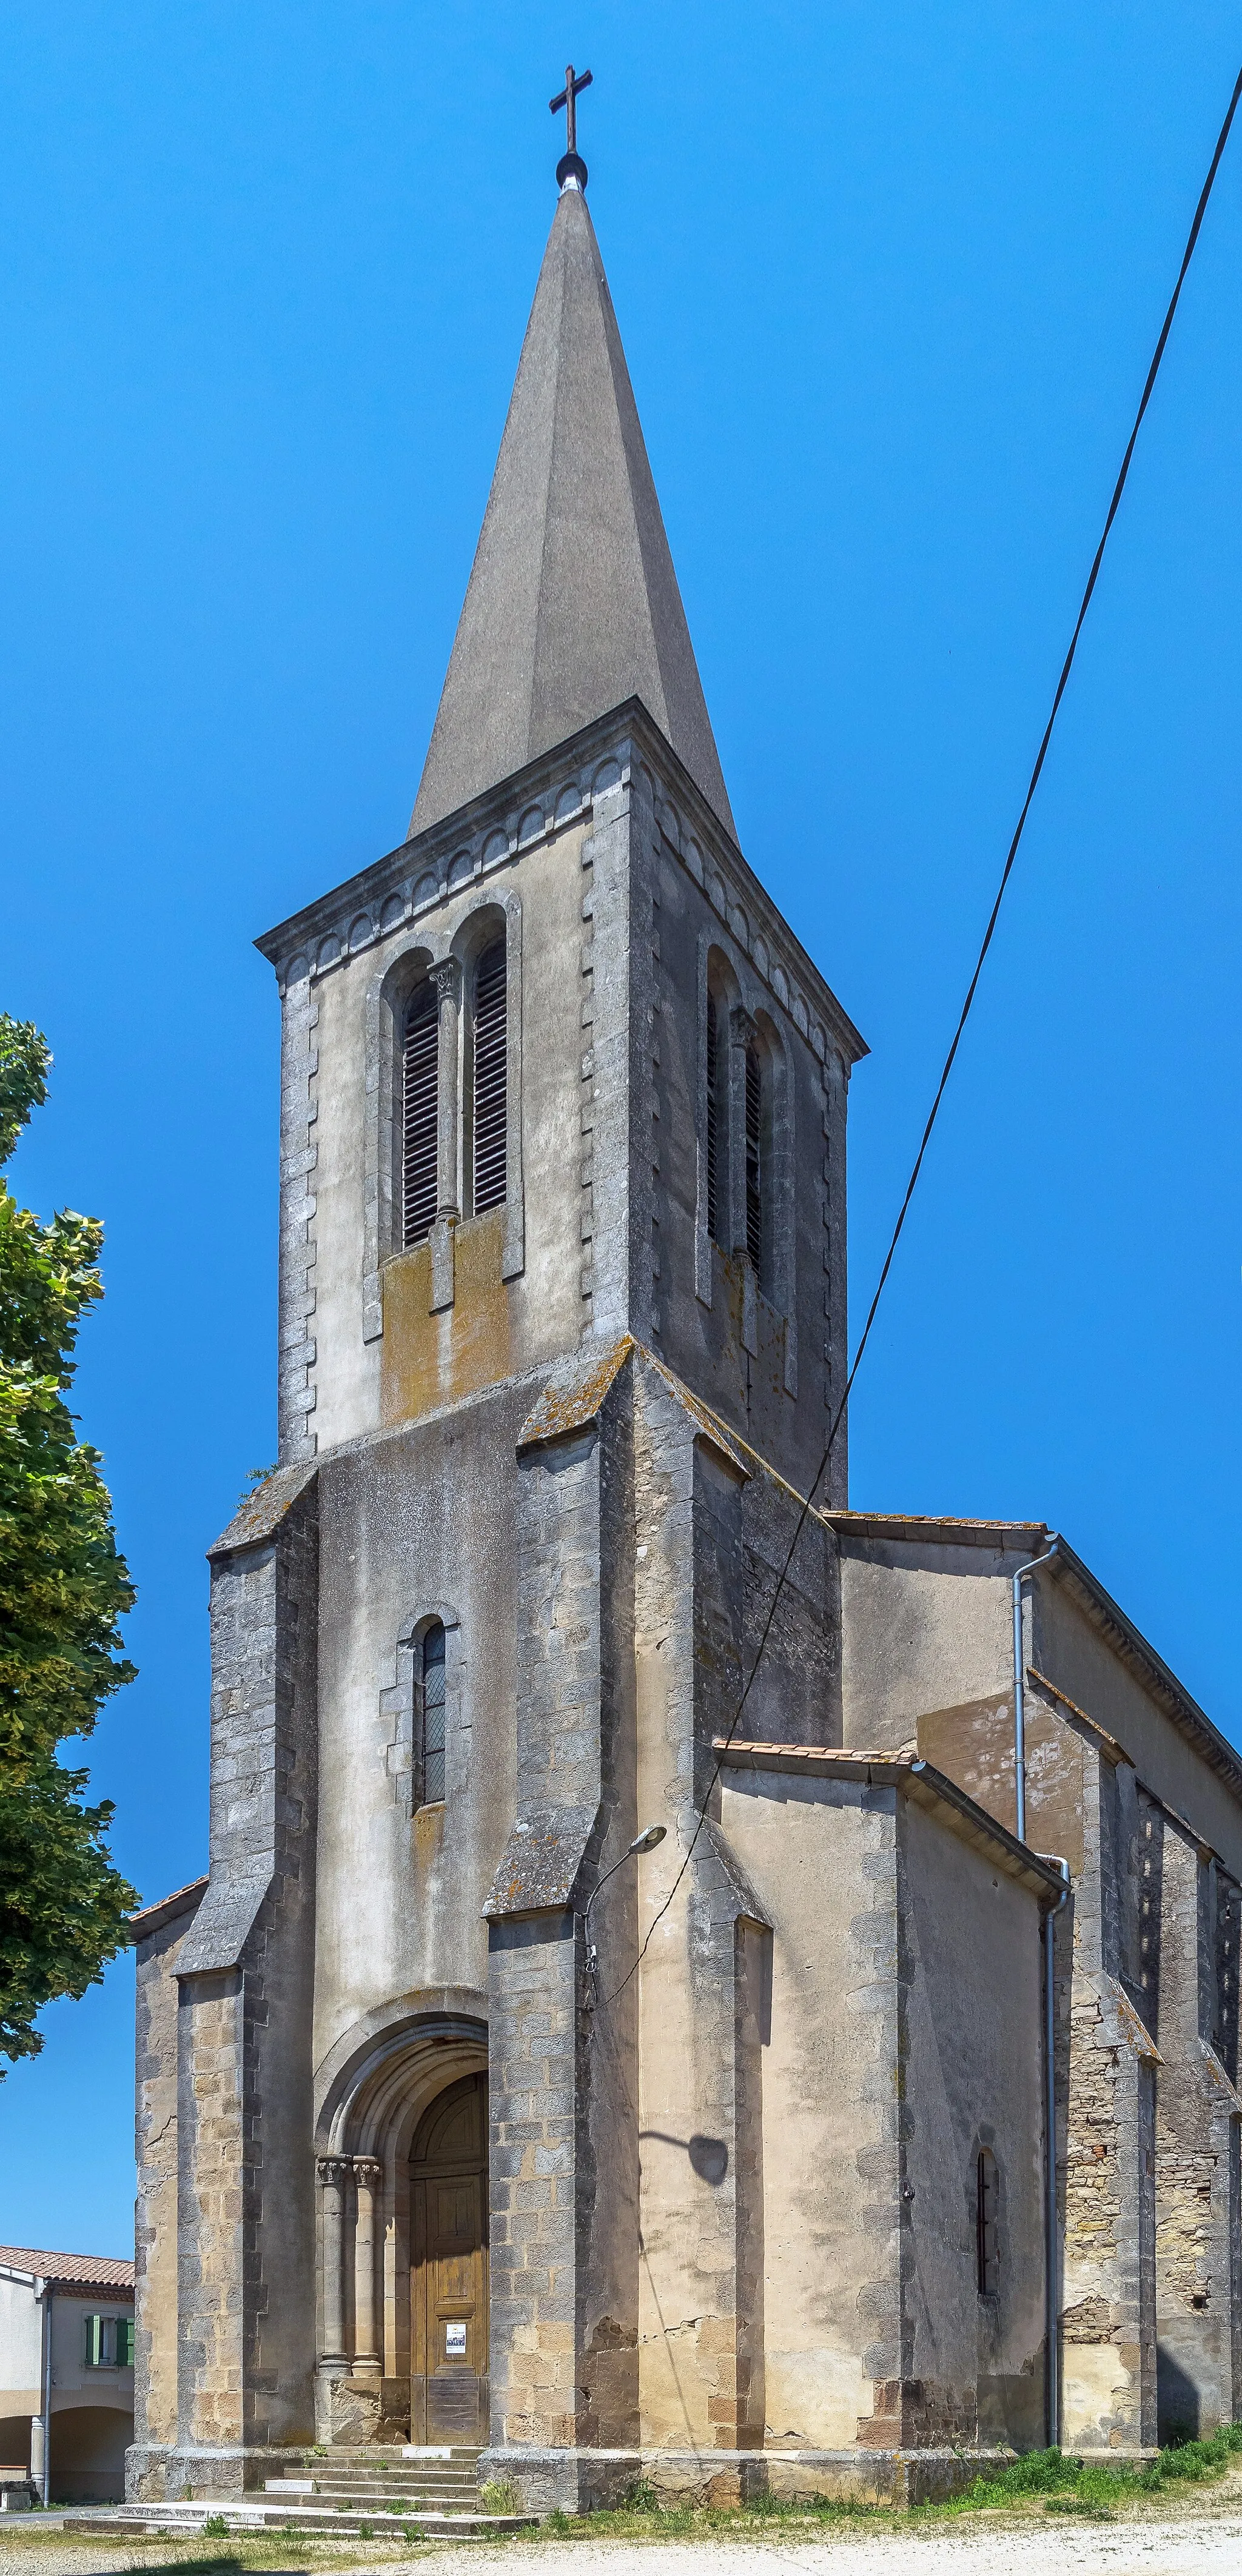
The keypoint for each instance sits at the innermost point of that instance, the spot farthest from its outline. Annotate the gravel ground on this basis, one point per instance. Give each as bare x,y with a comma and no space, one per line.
1202,2544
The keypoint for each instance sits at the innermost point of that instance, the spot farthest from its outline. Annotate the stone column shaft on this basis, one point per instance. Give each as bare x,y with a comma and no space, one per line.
332,2174
368,2176
448,986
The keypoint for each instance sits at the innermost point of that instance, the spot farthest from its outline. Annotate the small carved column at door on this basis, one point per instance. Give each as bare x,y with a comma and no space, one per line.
368,2361
333,2175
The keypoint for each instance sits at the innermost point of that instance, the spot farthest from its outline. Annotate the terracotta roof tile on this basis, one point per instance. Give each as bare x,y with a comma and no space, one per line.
101,2271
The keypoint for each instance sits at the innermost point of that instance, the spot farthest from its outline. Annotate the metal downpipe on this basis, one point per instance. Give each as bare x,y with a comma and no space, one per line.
1052,2374
1019,1694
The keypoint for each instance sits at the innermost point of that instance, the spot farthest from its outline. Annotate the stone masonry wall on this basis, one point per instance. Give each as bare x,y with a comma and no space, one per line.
246,2181
703,1973
1196,2113
155,2213
564,2247
299,1066
1106,2064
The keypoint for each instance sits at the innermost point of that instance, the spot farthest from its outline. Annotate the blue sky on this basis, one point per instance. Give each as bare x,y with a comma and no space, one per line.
888,282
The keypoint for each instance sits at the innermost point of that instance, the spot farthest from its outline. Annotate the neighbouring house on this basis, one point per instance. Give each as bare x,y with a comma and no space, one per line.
66,2361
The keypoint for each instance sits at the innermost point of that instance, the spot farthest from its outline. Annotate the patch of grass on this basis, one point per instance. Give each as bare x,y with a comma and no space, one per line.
1067,2483
637,2519
499,2495
215,2527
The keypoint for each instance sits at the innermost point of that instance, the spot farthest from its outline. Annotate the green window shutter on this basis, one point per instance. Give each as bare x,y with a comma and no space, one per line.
92,2341
125,2343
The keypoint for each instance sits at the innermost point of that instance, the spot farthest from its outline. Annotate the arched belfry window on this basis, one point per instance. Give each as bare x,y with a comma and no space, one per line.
431,1716
716,1139
420,1041
755,1229
759,1161
489,1122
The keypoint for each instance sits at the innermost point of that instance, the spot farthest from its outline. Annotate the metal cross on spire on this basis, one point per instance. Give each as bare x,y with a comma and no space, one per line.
571,165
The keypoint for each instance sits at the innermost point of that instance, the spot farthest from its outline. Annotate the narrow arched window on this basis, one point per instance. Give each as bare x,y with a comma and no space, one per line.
491,1080
755,1176
713,1119
431,1694
986,2268
418,1114
717,1126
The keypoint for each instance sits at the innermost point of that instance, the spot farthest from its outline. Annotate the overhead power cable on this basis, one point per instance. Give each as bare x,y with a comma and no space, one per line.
1006,872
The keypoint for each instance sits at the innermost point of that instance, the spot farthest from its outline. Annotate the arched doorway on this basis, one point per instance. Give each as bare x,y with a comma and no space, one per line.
448,2267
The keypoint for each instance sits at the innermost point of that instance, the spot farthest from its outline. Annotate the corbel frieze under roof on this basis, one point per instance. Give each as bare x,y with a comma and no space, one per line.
552,795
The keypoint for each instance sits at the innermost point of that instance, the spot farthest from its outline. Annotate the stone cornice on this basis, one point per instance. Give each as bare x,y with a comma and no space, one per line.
551,795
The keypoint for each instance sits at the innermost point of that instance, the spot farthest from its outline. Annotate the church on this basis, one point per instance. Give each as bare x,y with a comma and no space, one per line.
569,2062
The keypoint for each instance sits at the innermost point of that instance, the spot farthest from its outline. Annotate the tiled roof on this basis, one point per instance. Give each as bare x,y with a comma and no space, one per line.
101,2271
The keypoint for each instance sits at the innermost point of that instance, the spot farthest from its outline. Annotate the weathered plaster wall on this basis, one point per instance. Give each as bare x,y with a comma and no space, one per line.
1071,1650
972,2078
925,1629
493,1329
770,1362
904,2035
416,1524
823,1863
927,1650
21,2349
618,905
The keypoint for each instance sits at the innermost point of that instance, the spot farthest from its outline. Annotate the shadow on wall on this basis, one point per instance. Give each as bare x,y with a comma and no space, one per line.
1177,2400
14,2442
709,2157
88,2454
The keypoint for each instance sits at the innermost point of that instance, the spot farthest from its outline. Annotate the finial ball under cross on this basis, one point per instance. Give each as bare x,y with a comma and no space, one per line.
571,165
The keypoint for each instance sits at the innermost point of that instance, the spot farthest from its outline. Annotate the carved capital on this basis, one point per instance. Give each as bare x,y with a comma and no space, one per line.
368,2172
334,2172
741,1025
446,976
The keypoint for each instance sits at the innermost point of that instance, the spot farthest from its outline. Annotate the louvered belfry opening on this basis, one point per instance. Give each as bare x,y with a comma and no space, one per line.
754,1166
713,1119
490,1120
418,1114
433,1716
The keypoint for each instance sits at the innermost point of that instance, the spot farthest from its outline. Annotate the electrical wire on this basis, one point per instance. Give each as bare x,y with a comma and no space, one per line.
1006,872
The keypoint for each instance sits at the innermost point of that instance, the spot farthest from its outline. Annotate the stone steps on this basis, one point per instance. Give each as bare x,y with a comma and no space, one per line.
430,2489
449,2495
434,2475
393,2481
265,2514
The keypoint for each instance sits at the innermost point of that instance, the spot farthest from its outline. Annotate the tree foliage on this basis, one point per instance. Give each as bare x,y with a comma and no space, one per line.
63,1588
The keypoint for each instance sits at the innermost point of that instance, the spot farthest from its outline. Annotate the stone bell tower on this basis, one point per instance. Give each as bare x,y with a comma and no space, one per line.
562,1321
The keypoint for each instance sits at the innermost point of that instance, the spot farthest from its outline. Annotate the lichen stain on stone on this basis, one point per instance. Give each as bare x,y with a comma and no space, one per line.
431,1360
571,1402
428,1835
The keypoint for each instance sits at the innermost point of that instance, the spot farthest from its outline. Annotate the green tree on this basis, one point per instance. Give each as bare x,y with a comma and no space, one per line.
63,1587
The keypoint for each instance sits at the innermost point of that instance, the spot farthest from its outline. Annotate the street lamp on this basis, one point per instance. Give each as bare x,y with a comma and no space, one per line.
644,1842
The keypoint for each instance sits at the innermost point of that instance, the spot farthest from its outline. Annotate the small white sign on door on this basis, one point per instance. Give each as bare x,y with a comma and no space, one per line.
455,2342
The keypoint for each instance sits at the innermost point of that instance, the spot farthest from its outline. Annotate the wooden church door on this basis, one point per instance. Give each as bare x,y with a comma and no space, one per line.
448,2268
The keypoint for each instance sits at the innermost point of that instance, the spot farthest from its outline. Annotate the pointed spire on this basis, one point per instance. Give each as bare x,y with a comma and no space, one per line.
572,604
